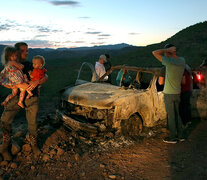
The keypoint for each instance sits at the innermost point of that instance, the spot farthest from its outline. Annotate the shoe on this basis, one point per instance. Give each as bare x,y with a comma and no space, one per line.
181,139
170,140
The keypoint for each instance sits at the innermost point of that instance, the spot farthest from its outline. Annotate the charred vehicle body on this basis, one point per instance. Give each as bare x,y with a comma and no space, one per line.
123,107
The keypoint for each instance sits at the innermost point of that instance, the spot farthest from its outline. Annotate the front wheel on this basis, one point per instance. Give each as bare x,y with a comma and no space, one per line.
132,126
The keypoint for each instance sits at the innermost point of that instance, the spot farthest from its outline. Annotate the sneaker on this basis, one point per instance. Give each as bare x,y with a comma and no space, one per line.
181,139
170,140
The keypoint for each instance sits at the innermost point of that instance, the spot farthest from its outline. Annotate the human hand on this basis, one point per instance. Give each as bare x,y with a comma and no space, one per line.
32,85
171,49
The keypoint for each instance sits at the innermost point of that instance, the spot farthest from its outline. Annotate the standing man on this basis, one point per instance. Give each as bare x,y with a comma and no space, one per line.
174,71
31,108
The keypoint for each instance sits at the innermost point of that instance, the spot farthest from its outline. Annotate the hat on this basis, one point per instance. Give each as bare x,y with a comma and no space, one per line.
204,63
103,57
168,46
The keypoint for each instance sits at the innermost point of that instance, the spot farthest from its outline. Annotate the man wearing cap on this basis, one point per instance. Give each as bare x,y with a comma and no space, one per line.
174,71
99,67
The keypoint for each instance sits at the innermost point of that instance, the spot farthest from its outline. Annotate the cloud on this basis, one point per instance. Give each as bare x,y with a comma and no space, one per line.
64,3
44,29
101,38
4,27
79,42
31,43
40,36
134,33
93,32
97,43
84,17
104,35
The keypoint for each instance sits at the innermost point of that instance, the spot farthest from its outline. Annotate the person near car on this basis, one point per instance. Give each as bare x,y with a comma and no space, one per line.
172,87
99,67
31,108
107,65
125,80
186,91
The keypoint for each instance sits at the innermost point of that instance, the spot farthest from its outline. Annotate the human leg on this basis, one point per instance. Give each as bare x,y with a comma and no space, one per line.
21,98
179,124
14,93
24,86
31,107
170,109
10,110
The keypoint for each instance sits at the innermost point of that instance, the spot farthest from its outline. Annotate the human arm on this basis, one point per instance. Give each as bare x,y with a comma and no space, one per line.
17,65
34,84
160,52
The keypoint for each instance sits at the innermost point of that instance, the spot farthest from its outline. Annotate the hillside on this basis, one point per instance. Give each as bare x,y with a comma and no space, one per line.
191,43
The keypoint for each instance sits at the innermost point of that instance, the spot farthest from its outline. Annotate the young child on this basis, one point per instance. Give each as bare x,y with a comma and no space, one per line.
12,76
38,71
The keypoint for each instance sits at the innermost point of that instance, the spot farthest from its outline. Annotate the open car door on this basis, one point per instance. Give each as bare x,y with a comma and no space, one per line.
86,74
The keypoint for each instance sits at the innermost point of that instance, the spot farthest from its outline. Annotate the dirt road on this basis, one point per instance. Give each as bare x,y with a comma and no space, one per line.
66,157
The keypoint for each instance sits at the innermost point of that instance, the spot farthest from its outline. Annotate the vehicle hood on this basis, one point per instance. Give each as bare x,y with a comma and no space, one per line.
99,95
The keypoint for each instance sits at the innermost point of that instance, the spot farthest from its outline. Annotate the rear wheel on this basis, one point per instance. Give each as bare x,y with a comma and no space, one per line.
132,126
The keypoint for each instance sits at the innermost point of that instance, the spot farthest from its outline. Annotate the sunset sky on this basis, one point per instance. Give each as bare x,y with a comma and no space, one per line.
63,23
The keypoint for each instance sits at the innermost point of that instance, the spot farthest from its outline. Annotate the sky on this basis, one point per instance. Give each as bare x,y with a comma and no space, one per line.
80,23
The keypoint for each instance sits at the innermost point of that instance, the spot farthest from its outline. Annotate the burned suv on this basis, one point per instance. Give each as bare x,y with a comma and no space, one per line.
132,100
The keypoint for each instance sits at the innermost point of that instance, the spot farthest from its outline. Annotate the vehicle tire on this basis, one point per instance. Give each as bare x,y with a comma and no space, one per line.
132,126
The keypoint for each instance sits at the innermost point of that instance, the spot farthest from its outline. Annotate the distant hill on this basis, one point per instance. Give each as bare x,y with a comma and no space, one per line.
82,53
191,43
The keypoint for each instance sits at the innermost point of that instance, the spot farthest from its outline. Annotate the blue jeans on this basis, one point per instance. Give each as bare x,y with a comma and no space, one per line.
174,121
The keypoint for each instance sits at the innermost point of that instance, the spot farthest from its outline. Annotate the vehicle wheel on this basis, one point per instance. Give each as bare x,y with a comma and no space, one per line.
132,127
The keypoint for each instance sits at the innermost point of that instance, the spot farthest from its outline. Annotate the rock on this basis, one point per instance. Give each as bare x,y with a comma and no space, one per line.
83,174
102,165
69,165
13,165
60,152
28,138
45,157
164,130
77,157
26,148
102,127
52,152
4,164
112,176
15,149
109,135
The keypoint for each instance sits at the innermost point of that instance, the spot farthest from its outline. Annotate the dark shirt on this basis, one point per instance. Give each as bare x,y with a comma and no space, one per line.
107,66
187,86
29,67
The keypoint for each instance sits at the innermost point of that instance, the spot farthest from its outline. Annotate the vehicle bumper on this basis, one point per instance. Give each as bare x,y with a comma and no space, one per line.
75,124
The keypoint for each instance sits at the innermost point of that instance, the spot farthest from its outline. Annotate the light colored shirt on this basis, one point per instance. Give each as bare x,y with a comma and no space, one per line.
100,70
174,73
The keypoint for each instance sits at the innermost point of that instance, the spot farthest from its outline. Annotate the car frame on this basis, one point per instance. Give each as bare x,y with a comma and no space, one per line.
98,107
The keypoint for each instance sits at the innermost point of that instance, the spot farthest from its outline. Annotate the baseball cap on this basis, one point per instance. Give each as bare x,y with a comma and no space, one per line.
103,57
